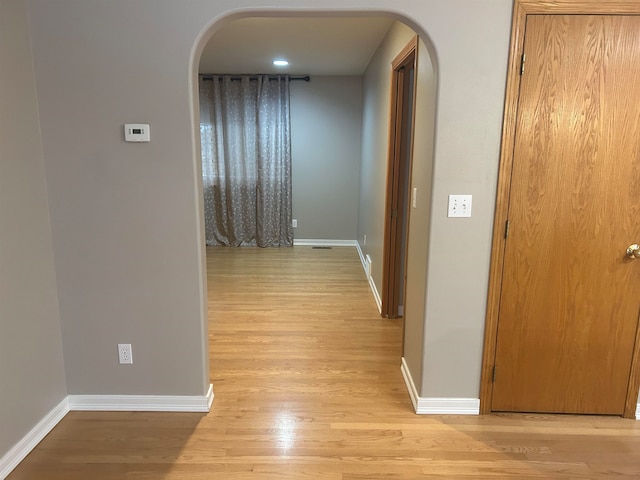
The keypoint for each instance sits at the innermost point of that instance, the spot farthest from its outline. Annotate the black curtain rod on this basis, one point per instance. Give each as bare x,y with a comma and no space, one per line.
305,78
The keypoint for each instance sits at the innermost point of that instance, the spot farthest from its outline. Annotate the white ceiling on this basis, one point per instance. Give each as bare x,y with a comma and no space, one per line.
314,46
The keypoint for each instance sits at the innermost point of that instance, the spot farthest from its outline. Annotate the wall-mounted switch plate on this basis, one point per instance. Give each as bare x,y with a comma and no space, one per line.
294,223
459,206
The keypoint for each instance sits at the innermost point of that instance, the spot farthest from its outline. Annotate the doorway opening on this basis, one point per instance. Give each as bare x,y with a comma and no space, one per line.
399,169
400,54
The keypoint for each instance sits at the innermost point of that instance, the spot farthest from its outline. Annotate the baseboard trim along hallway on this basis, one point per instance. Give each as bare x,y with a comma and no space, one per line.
113,403
142,403
367,269
438,406
21,449
318,242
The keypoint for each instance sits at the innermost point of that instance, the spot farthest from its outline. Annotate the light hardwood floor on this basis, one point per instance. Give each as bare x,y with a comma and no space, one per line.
308,386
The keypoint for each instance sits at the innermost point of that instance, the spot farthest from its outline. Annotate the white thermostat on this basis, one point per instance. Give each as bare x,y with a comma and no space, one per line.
136,132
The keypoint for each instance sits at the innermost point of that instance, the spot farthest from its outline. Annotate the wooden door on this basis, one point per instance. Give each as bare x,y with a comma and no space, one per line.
570,296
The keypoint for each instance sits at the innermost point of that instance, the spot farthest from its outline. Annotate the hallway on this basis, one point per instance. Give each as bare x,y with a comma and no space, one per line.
308,386
297,331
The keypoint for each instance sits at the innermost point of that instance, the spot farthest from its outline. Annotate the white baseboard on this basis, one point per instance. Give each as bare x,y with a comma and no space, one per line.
638,411
448,406
319,242
361,255
438,406
376,295
142,403
411,387
130,403
372,284
21,449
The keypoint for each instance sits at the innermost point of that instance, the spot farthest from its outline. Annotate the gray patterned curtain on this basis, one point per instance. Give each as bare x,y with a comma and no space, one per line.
246,160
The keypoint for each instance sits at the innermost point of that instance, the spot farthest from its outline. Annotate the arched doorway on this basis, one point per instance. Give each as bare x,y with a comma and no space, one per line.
372,179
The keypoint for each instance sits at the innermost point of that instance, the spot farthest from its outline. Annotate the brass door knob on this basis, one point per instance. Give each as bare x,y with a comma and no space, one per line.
633,251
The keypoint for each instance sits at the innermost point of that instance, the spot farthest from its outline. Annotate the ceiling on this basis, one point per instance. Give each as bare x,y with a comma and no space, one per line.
314,46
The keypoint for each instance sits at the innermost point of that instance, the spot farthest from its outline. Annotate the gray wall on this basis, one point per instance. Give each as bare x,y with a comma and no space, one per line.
375,143
375,146
418,238
326,126
32,378
472,43
126,218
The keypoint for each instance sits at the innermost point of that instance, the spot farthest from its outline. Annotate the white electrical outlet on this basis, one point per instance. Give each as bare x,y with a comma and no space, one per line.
459,206
294,223
124,353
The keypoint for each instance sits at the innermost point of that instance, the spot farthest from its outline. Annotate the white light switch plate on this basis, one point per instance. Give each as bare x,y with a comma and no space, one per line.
459,206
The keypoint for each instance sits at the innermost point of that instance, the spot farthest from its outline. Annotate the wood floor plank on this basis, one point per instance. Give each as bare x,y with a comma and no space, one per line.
308,386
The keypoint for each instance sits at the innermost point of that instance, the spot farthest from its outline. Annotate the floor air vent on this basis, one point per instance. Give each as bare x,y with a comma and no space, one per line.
322,248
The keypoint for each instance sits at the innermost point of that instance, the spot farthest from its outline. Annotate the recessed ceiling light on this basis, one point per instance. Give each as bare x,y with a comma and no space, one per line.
280,63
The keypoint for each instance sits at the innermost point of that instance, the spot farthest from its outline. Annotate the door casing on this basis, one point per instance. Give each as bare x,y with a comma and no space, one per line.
398,183
521,9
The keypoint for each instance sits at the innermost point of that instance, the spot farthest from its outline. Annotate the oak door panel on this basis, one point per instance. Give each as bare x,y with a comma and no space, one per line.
570,297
